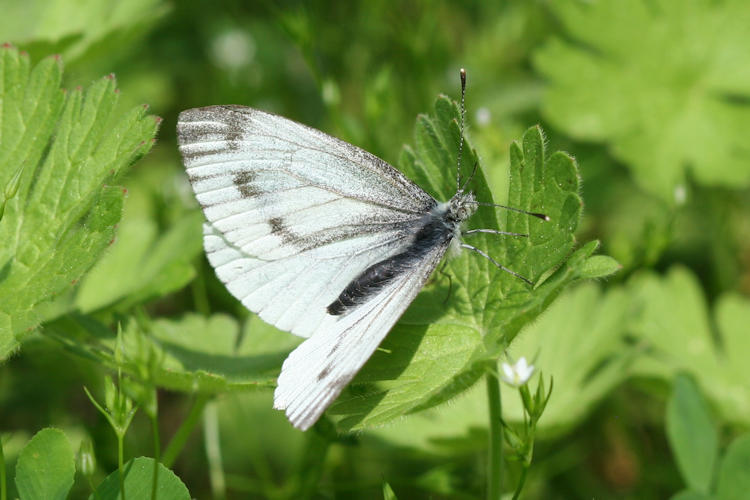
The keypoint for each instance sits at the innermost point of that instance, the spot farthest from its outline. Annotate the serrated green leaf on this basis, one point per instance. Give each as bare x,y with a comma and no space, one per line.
692,435
440,348
45,467
674,322
734,472
667,97
592,320
71,146
139,478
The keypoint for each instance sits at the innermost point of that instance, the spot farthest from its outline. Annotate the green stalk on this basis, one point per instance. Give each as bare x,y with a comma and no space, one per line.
521,482
200,296
180,437
121,463
157,451
495,471
213,451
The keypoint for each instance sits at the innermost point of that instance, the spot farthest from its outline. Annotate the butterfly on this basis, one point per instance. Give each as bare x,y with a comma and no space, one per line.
318,237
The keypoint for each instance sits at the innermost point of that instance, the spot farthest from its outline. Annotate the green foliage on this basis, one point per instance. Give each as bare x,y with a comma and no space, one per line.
388,493
662,83
139,478
692,435
584,316
649,95
46,467
191,354
694,441
89,29
675,323
147,265
72,146
437,351
734,472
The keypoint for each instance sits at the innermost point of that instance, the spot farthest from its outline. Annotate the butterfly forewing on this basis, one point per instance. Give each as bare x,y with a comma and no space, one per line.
294,215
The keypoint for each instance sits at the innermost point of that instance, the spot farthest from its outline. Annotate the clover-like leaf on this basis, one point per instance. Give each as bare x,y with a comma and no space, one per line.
692,435
734,471
138,483
46,466
668,97
453,333
72,146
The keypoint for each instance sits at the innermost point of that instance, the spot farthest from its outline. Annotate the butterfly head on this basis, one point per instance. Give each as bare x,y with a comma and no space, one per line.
461,207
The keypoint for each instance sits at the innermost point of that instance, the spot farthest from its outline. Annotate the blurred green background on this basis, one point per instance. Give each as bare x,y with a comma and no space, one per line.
651,97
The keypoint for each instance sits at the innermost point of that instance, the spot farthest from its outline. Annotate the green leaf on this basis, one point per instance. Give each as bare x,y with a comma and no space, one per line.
666,97
142,264
599,266
388,493
734,472
593,321
191,354
45,467
55,26
72,146
441,348
675,324
139,479
692,435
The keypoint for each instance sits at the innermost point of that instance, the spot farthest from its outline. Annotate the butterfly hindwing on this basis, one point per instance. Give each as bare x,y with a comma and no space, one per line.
316,372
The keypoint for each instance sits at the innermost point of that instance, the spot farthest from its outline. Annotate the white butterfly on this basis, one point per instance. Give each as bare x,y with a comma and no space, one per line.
316,236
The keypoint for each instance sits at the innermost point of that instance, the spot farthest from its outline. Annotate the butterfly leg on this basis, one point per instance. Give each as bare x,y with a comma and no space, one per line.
497,264
450,281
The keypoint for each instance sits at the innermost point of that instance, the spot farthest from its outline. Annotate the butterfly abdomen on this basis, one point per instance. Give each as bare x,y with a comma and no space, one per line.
436,230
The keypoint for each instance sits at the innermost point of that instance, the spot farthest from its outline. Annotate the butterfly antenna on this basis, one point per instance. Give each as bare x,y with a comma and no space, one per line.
512,209
466,183
461,134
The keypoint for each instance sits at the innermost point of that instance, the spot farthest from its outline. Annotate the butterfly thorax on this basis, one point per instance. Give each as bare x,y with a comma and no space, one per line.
455,212
433,234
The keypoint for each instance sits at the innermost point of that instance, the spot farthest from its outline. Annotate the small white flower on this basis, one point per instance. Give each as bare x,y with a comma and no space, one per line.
517,374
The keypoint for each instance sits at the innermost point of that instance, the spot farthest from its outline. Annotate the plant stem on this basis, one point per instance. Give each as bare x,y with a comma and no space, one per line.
213,450
200,296
3,492
121,463
521,482
495,471
180,437
157,451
